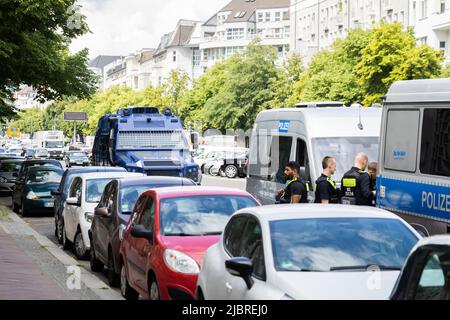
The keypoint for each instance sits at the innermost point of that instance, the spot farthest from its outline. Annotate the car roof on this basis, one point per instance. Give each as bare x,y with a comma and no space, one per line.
26,162
112,175
169,192
95,169
311,211
435,240
154,179
416,91
12,160
45,168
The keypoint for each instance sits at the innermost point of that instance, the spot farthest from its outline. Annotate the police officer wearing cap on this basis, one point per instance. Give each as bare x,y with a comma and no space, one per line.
356,184
296,190
326,190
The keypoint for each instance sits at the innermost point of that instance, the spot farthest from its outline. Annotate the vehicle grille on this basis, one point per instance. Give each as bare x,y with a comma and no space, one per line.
168,163
164,173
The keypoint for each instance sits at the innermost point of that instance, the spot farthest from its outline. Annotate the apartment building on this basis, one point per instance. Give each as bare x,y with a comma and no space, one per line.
233,27
316,24
431,22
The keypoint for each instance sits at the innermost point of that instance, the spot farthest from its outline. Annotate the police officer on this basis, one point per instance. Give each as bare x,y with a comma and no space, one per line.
297,189
372,169
355,184
326,191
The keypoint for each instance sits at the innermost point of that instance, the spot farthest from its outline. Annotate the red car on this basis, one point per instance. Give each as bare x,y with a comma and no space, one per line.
166,238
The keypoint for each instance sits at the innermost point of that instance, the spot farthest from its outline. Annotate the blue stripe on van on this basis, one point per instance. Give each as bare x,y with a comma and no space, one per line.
413,197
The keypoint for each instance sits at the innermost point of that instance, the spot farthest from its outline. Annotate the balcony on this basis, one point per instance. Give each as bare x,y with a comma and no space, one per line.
441,21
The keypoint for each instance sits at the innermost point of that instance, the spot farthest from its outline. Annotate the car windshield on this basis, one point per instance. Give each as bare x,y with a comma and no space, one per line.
54,144
345,151
332,244
10,166
94,189
199,215
129,195
44,176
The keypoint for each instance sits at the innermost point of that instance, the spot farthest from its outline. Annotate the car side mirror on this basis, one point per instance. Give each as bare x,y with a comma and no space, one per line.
55,193
241,267
101,212
139,231
73,201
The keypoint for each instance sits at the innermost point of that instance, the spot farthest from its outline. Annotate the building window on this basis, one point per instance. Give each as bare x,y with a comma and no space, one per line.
174,56
278,16
235,33
267,16
424,9
442,46
196,57
260,17
442,6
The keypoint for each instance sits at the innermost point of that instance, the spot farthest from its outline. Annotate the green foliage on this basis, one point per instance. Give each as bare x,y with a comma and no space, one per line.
34,50
446,71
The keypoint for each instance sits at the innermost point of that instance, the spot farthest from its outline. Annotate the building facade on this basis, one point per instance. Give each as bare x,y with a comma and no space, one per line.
316,24
431,22
232,28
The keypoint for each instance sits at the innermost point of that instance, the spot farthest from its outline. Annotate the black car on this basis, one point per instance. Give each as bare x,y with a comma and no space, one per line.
76,158
112,215
61,193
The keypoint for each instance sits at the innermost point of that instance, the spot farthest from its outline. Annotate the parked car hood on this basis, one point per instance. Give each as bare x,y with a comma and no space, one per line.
337,285
195,247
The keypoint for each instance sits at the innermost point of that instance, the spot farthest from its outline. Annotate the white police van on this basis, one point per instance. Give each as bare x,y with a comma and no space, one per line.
414,171
307,134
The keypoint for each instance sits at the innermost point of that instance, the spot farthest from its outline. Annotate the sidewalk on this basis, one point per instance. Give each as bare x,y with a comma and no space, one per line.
21,278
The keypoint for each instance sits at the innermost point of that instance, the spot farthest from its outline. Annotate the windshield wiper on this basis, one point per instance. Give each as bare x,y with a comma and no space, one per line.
366,267
182,234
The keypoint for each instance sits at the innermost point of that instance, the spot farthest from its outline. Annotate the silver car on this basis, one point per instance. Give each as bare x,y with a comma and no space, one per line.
9,169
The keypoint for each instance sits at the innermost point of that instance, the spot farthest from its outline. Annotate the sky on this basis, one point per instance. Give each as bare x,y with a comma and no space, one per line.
119,27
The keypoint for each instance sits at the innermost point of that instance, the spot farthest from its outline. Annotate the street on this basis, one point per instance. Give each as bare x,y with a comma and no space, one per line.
53,263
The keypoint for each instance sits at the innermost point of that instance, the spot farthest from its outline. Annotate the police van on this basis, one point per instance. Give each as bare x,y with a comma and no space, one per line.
414,171
307,134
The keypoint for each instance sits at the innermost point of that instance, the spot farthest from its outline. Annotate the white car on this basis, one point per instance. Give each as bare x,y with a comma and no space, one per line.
84,194
313,252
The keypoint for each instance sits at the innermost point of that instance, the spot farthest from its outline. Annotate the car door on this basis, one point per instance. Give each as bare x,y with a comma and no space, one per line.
57,198
133,245
71,211
19,188
103,224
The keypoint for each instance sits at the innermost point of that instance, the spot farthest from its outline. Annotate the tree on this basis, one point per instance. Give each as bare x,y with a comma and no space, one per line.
29,120
446,71
34,50
392,55
175,88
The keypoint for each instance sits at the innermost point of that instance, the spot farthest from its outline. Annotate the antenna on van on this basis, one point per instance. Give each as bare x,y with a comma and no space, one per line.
360,124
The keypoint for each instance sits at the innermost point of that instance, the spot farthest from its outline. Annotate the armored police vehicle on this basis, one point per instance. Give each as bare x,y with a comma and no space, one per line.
141,139
414,171
307,134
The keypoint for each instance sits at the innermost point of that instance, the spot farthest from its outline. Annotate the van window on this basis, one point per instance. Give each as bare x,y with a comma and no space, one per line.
280,153
401,140
435,145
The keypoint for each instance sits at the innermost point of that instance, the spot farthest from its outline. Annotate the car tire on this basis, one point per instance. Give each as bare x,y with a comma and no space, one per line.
231,171
79,247
96,265
59,230
153,289
210,172
125,289
113,277
24,212
65,243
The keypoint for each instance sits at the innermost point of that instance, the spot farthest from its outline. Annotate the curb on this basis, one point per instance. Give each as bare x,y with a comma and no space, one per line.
101,289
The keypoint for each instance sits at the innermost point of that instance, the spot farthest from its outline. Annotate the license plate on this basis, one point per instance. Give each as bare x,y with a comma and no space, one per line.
48,204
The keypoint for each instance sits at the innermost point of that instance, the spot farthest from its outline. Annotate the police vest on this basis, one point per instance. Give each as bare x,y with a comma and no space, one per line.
334,196
305,184
349,184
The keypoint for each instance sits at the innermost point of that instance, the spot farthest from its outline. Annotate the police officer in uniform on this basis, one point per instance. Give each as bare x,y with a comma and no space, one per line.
297,188
326,190
356,184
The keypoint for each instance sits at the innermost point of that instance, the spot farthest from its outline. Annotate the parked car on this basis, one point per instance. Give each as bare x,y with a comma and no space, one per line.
8,172
232,166
29,153
15,151
111,217
41,153
84,195
35,163
169,231
78,158
32,192
293,252
60,194
426,274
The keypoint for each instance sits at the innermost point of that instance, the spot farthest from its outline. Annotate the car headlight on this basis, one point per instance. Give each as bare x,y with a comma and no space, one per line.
180,262
3,180
32,196
89,216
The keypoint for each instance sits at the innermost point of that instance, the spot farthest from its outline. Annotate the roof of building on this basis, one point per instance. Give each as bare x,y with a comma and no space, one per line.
248,8
101,61
181,36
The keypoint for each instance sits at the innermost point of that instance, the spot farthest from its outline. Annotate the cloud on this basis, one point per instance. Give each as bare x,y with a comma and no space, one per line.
120,27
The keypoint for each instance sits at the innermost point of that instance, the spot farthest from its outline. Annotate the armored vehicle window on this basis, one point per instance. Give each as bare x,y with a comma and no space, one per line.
435,145
401,140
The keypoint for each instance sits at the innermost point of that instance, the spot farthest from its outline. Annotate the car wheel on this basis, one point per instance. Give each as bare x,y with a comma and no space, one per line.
59,230
81,252
127,292
153,289
231,171
210,172
96,265
113,277
24,211
65,242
